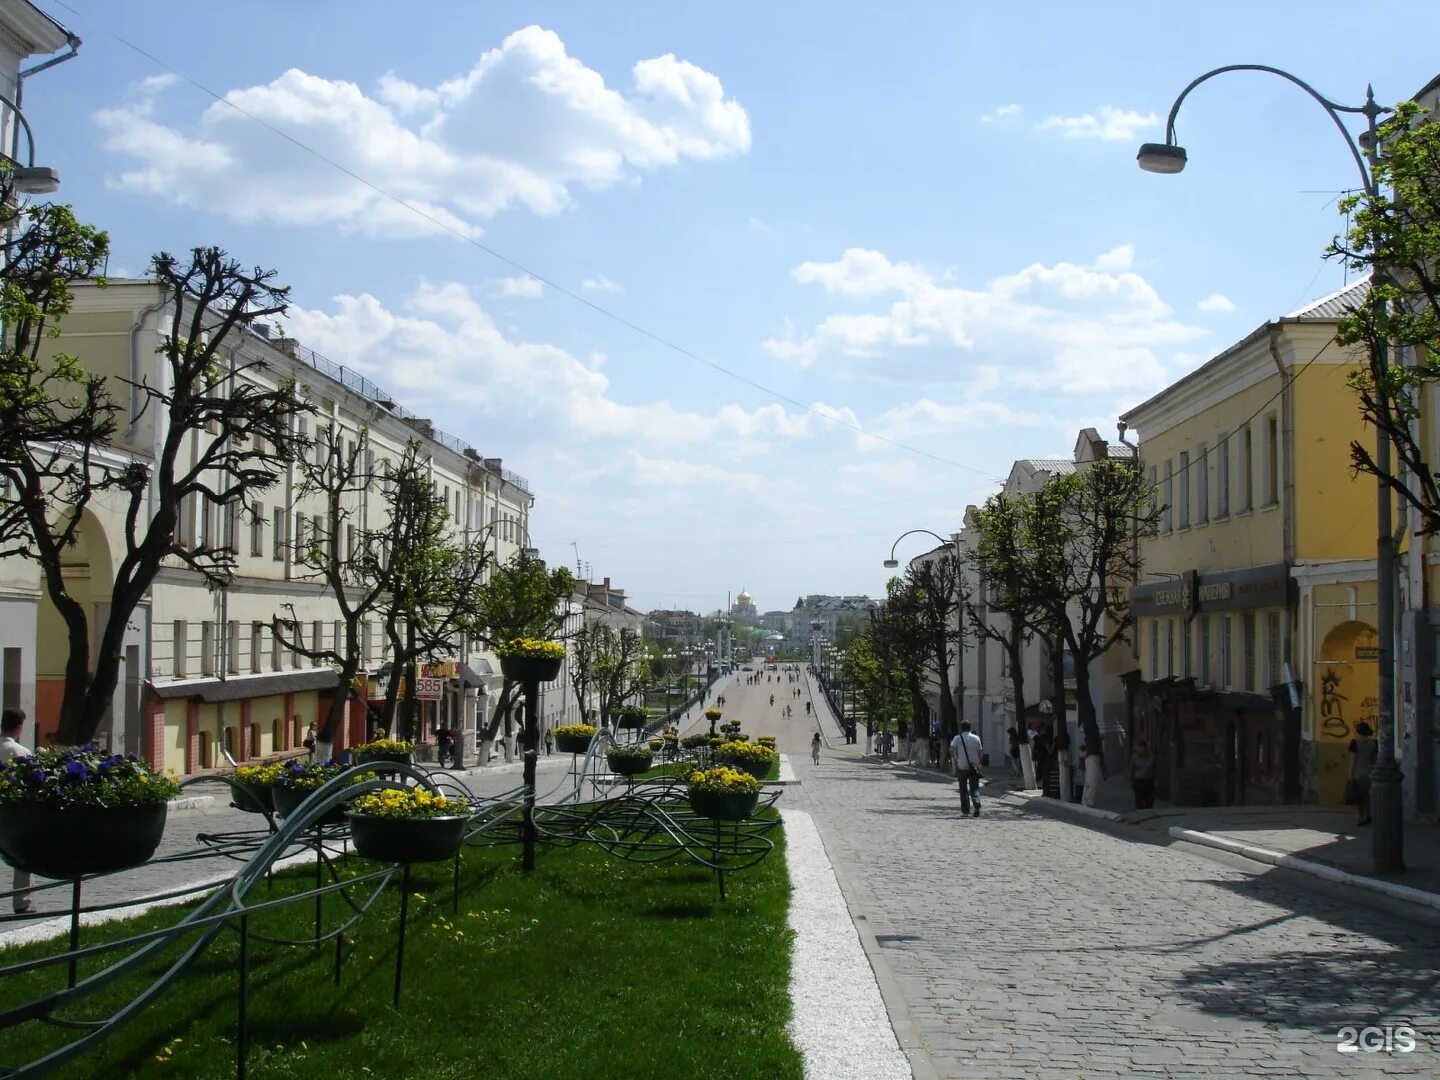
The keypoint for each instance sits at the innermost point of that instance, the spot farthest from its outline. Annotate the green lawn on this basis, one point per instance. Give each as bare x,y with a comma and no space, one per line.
591,967
685,768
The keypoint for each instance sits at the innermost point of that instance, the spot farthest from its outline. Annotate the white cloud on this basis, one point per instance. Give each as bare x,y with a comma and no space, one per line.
601,283
525,126
1000,115
443,353
523,286
1106,122
1216,302
1065,327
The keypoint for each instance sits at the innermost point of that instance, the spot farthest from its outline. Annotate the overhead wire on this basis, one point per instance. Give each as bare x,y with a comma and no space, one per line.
514,264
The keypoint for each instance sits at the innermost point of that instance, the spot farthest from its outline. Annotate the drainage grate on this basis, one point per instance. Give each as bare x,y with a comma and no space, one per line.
889,941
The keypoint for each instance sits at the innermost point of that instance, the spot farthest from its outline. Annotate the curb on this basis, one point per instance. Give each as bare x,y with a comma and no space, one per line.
192,802
1306,866
1036,801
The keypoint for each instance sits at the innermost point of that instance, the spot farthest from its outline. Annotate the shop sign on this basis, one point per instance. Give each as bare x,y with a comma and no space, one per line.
428,689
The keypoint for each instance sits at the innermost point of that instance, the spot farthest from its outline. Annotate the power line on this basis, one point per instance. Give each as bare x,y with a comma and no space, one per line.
499,256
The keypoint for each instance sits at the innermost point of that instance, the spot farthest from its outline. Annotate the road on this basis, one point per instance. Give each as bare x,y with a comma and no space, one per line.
1015,945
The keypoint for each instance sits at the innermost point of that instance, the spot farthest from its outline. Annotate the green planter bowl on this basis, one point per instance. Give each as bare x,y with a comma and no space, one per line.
407,840
630,765
573,744
526,669
724,805
758,769
631,722
70,842
288,800
364,757
252,798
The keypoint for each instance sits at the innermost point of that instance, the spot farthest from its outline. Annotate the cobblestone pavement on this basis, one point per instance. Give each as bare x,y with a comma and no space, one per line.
1020,946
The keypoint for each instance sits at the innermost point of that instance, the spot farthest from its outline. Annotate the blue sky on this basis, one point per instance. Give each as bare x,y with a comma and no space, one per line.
914,235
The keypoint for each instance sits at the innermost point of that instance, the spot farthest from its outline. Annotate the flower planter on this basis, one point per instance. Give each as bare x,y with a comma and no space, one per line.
252,798
288,800
630,722
573,744
527,669
630,765
363,757
724,805
69,842
758,769
407,839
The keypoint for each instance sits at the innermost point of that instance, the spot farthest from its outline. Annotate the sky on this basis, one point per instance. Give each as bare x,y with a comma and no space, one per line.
745,291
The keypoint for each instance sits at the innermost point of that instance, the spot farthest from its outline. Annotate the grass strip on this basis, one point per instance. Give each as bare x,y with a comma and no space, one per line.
591,966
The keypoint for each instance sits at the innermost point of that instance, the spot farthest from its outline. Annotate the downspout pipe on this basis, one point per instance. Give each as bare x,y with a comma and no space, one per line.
136,376
1285,449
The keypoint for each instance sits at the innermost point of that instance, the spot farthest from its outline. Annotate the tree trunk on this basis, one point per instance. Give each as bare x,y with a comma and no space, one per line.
1062,722
78,723
1085,709
1017,687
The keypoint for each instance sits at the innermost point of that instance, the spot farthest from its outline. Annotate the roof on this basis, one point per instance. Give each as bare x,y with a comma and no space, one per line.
1338,304
1059,466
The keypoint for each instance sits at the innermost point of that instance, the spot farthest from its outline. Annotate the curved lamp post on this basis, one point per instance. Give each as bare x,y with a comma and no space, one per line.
890,564
1169,157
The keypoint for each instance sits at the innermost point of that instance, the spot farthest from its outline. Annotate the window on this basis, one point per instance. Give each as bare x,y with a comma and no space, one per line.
1247,470
207,522
339,635
185,522
1167,515
232,525
1154,491
1202,488
257,528
1222,478
1183,496
1247,649
277,537
1226,671
232,648
277,659
1205,650
14,669
317,639
179,646
1185,648
1170,647
1273,674
299,536
257,644
207,648
349,543
365,642
1272,460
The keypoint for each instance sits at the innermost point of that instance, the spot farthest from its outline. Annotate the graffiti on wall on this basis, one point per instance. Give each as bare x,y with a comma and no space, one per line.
1333,724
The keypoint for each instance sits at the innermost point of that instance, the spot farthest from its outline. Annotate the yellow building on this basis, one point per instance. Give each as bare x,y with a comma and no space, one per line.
1255,621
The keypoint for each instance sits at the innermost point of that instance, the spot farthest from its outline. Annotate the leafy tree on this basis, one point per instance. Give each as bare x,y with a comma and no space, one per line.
1395,240
521,598
1081,557
999,559
222,435
607,665
862,666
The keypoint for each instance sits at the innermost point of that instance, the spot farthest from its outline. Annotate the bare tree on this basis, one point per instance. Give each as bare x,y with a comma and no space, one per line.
222,434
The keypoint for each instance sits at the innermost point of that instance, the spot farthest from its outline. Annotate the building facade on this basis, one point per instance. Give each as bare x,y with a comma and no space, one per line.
1255,636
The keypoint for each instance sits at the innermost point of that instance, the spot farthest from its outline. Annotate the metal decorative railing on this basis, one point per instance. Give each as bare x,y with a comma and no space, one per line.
353,380
643,821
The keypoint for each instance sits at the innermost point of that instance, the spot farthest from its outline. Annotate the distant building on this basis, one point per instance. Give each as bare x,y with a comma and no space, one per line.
667,627
744,607
818,614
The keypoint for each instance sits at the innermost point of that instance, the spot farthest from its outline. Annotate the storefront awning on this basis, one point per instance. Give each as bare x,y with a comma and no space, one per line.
240,687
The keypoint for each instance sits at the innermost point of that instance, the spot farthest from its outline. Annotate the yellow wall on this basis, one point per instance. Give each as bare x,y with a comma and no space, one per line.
1342,686
101,342
1334,509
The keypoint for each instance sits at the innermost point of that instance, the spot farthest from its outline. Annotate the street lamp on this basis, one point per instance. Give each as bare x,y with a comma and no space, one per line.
1387,837
953,546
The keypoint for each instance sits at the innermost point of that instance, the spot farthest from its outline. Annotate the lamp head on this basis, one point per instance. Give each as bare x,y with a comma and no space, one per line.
35,179
891,564
1161,157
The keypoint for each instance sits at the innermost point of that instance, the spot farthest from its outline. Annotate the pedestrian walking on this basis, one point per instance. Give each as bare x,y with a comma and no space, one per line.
549,742
966,747
1012,758
1142,775
1363,752
815,749
12,724
443,741
309,741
